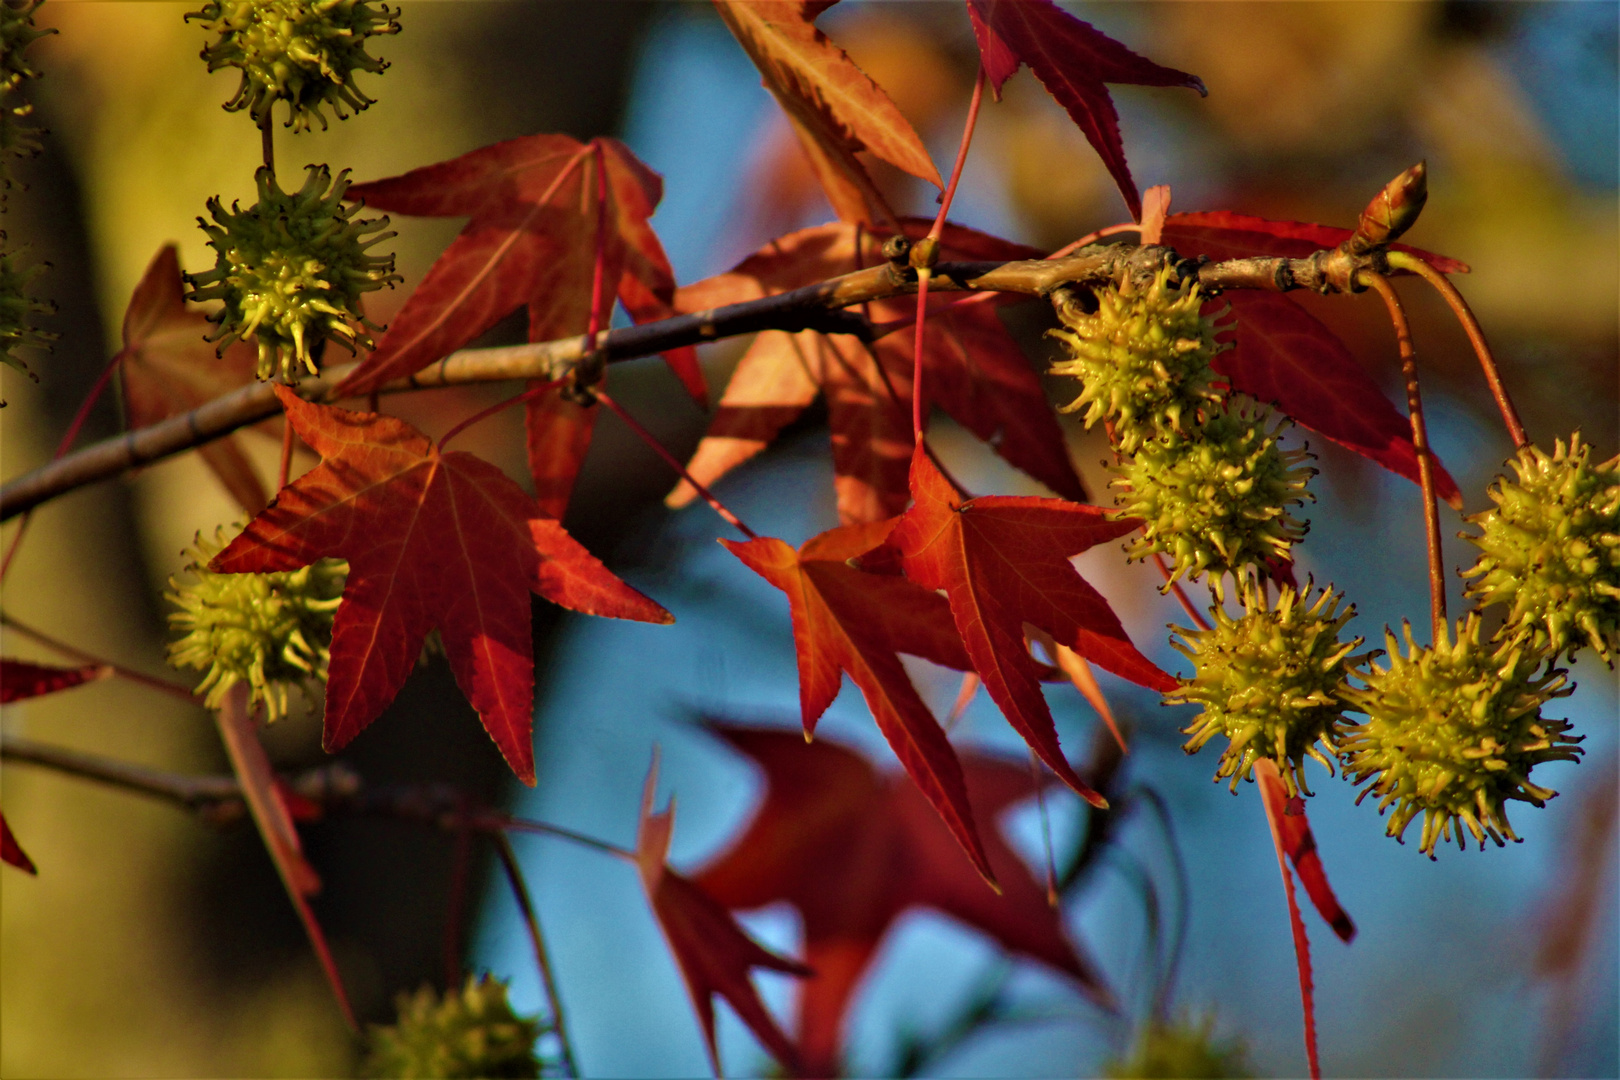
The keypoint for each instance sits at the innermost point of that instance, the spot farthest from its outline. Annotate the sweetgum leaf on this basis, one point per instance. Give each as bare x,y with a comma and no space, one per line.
845,620
1074,61
1004,561
835,108
714,954
972,368
1293,828
559,434
432,539
854,849
168,369
20,679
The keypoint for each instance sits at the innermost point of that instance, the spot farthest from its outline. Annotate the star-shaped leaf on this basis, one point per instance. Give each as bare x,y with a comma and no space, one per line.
433,540
854,849
1074,61
1002,562
711,950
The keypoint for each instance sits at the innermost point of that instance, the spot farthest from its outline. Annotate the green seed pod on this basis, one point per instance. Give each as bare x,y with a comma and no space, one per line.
273,630
473,1033
1454,730
17,32
1181,1050
17,311
1142,358
291,270
303,52
1550,549
1215,498
1272,681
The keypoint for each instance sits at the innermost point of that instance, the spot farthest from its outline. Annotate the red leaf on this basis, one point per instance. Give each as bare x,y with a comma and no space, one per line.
1004,562
168,369
1287,817
20,679
973,369
1221,234
834,107
1273,799
532,241
847,620
1073,60
559,434
712,951
432,540
1285,356
853,849
11,853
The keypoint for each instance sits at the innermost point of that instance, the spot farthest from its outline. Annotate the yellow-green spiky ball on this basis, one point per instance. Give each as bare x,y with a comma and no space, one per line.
1182,1049
291,269
1142,358
1453,732
1215,498
17,32
303,52
18,310
1550,548
468,1033
272,631
1272,681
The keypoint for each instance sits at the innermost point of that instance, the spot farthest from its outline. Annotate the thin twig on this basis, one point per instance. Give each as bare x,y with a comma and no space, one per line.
652,441
500,406
267,141
542,960
75,653
284,468
1401,260
1420,442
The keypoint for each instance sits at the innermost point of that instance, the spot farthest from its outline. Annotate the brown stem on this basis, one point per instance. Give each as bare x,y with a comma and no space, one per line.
267,141
813,307
75,653
1420,442
1400,260
542,960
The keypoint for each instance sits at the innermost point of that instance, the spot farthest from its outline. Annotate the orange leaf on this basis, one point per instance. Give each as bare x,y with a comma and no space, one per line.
168,369
1003,562
432,540
712,951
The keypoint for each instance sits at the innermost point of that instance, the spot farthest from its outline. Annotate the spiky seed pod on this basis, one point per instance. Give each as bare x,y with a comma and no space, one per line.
17,312
291,269
1217,497
1142,359
1454,730
1272,681
303,52
17,32
273,630
1181,1050
470,1033
1550,549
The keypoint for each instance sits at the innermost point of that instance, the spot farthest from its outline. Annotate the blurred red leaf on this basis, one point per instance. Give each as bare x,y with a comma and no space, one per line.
1073,60
835,108
1004,561
20,679
973,369
1274,798
1222,234
845,620
11,853
714,953
433,540
1285,356
853,849
168,369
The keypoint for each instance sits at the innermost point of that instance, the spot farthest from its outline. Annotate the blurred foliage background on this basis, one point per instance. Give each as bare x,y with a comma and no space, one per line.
156,945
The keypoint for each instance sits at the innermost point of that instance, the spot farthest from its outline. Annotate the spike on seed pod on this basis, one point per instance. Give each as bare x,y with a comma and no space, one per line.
1453,732
272,631
468,1033
291,269
17,312
302,52
1216,498
1550,549
1142,357
17,32
1272,681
